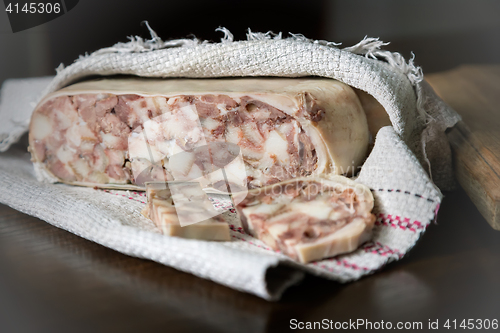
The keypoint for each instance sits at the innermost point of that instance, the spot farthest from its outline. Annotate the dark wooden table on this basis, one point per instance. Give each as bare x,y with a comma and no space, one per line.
53,281
474,92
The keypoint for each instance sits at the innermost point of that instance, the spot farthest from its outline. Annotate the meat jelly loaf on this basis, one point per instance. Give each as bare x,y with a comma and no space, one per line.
107,132
309,218
166,211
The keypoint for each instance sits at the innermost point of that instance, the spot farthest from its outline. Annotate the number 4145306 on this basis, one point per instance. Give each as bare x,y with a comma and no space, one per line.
472,324
33,7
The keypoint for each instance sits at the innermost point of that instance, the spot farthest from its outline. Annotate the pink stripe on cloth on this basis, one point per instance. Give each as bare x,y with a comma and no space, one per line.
396,222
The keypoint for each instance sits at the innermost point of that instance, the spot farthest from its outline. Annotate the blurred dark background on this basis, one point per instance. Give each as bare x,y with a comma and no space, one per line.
443,34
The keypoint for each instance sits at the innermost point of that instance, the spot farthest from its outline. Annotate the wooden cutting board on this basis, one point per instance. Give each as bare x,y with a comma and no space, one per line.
474,92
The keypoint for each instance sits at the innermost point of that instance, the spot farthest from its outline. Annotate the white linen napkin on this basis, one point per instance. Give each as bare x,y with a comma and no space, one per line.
406,200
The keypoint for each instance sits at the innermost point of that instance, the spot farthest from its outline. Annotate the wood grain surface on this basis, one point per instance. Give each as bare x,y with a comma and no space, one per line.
474,92
54,281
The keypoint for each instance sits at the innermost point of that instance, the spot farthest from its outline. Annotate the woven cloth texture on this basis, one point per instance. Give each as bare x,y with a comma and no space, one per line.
406,199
